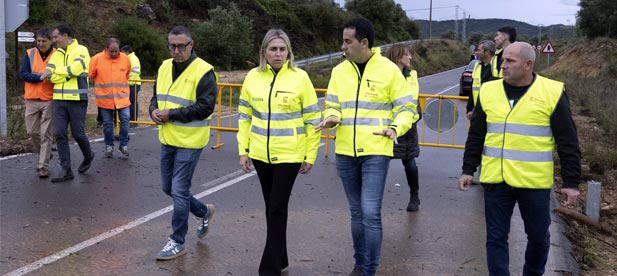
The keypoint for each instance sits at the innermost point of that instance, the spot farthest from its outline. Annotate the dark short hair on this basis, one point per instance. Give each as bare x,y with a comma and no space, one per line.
364,29
181,30
44,33
65,29
127,49
510,31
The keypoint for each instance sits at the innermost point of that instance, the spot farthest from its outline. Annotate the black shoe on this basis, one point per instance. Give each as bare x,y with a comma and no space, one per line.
85,165
356,272
414,203
64,176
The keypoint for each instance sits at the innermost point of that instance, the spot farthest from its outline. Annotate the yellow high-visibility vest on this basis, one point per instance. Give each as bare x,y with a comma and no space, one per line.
70,72
518,147
181,93
278,113
381,98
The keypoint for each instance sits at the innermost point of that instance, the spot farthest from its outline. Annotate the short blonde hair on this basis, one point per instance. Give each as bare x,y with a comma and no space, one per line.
271,35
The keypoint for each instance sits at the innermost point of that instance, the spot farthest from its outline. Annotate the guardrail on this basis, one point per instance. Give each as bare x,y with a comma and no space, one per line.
332,56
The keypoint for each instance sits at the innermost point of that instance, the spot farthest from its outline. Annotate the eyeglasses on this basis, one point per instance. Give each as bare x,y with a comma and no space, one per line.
180,47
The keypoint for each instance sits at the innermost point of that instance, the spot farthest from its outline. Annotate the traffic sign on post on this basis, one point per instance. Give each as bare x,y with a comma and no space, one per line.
15,13
25,34
25,39
548,48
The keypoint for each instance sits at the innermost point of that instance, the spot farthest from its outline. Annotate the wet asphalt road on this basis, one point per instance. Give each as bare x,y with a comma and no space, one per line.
113,219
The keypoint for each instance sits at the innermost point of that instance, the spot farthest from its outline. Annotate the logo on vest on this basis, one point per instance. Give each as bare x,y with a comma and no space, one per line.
536,100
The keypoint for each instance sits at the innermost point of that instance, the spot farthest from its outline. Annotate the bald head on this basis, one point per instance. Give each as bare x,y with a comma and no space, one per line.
517,66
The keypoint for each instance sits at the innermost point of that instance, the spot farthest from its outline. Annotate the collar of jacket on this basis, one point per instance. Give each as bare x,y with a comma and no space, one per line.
285,66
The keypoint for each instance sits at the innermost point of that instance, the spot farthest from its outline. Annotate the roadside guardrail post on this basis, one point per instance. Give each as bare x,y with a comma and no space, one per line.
592,201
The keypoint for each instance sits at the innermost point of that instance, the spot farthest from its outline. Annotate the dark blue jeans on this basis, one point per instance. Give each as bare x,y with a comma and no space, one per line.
534,205
134,111
364,179
71,113
108,125
177,167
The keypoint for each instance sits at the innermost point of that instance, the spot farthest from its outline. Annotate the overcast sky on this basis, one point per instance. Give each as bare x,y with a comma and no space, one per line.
545,12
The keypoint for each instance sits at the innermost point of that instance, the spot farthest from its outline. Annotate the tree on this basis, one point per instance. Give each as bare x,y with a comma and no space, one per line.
449,34
226,38
475,38
598,18
148,44
379,12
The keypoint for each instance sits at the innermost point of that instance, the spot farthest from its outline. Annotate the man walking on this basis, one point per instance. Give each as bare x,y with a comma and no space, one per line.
517,122
371,104
134,86
38,94
68,70
109,70
182,105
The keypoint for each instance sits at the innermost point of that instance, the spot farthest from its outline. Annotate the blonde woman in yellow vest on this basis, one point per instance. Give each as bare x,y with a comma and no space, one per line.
182,105
38,94
68,70
517,123
278,112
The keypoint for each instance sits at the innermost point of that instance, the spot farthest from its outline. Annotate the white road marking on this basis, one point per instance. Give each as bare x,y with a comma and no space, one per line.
87,243
446,90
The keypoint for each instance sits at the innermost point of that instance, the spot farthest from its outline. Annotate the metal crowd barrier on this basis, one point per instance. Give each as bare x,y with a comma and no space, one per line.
226,108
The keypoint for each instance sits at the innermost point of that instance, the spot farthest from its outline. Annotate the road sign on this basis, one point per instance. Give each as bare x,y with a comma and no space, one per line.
25,34
548,48
15,13
25,39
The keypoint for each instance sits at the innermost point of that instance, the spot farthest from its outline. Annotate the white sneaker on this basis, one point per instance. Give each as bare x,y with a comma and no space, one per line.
109,151
124,150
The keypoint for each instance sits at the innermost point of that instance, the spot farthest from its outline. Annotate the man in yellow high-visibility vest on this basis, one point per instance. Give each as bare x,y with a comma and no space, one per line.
68,71
517,122
182,105
370,103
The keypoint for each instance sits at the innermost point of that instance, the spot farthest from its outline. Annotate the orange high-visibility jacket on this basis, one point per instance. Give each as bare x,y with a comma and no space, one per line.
44,90
111,80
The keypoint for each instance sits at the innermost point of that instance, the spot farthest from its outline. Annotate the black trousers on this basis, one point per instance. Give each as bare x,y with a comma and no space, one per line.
277,181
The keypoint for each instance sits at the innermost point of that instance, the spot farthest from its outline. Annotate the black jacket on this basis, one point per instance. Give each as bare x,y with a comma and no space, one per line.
407,147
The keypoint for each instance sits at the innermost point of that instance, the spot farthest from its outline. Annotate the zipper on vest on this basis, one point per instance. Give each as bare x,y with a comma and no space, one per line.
355,117
269,115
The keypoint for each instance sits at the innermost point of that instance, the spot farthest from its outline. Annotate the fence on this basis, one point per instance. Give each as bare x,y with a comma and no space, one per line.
440,116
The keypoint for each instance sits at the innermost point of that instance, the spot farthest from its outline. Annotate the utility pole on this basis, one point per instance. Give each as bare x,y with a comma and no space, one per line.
540,34
464,27
430,21
3,100
456,23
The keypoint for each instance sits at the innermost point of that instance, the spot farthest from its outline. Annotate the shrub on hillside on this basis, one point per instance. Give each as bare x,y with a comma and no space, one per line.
149,45
225,39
